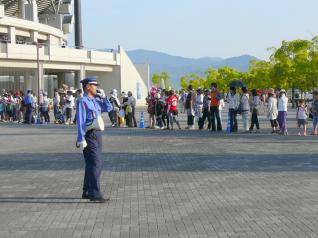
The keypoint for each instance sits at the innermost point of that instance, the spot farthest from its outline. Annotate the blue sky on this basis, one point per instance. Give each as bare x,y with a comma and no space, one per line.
198,28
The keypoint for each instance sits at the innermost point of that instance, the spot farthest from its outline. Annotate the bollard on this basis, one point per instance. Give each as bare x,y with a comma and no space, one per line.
142,121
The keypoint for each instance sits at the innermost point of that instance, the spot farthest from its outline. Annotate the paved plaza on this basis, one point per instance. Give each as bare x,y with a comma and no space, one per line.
161,184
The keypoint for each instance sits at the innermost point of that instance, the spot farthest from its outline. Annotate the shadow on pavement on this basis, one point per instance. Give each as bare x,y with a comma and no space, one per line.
120,161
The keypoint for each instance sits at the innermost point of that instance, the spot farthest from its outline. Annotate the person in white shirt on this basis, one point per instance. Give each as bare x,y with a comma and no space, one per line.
245,109
198,105
234,101
282,112
301,117
272,110
69,104
221,106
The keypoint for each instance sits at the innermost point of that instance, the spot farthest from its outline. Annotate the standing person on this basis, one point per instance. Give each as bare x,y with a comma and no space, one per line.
159,110
173,109
215,103
151,109
301,117
314,110
189,105
113,115
89,127
255,105
124,101
2,108
198,105
206,110
221,106
56,104
234,101
79,95
184,95
131,104
272,110
45,108
29,102
245,109
282,112
69,104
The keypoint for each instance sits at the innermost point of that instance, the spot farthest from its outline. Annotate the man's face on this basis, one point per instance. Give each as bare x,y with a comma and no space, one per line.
91,89
316,97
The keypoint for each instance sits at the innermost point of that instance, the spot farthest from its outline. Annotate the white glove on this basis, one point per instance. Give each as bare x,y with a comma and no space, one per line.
101,93
81,145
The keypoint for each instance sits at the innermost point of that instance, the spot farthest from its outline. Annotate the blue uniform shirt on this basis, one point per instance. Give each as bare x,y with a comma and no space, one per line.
87,109
28,99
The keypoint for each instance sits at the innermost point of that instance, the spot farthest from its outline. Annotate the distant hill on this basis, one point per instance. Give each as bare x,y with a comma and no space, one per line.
179,66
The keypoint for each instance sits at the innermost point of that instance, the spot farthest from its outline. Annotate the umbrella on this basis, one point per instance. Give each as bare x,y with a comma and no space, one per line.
237,84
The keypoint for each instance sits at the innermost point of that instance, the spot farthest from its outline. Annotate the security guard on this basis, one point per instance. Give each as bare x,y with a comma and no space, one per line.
90,126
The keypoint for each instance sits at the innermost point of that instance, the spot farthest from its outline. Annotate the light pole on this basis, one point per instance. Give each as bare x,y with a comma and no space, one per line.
38,46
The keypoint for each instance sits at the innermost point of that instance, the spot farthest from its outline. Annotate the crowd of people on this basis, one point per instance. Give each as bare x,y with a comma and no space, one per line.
204,107
26,108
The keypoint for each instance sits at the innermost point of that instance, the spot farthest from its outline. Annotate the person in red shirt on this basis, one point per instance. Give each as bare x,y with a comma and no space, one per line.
173,109
215,103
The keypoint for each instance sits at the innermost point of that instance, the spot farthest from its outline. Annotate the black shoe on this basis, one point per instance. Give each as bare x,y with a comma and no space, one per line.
85,196
99,200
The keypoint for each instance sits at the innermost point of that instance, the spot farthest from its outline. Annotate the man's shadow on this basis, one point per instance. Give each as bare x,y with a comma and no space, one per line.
44,200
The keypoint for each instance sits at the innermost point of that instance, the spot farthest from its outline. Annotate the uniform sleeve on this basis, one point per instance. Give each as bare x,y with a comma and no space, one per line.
104,105
81,121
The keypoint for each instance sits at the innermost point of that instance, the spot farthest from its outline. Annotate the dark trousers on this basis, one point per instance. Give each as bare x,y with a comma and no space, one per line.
215,114
56,110
28,114
132,118
233,120
45,114
274,123
254,120
206,115
190,120
93,163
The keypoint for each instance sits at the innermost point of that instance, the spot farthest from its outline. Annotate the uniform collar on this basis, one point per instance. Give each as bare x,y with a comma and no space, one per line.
88,97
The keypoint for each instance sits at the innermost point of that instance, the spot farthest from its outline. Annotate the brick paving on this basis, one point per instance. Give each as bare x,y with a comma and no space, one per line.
161,184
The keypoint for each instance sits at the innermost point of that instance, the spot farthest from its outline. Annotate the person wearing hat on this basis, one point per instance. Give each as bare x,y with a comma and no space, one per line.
282,112
89,127
272,111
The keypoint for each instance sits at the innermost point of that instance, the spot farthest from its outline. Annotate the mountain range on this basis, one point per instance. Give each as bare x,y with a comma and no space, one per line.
179,66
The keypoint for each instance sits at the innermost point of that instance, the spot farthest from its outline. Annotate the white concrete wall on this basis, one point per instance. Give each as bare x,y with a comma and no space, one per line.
131,79
107,80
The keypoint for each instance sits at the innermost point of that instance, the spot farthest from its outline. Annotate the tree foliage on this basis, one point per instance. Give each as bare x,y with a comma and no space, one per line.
293,65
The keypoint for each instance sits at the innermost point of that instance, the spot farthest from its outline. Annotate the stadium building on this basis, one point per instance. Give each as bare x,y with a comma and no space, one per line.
34,51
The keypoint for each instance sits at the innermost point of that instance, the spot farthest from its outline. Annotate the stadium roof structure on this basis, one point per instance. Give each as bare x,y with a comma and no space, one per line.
44,6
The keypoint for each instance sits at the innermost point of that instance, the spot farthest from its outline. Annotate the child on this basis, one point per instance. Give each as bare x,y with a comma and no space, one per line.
301,117
314,110
282,112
